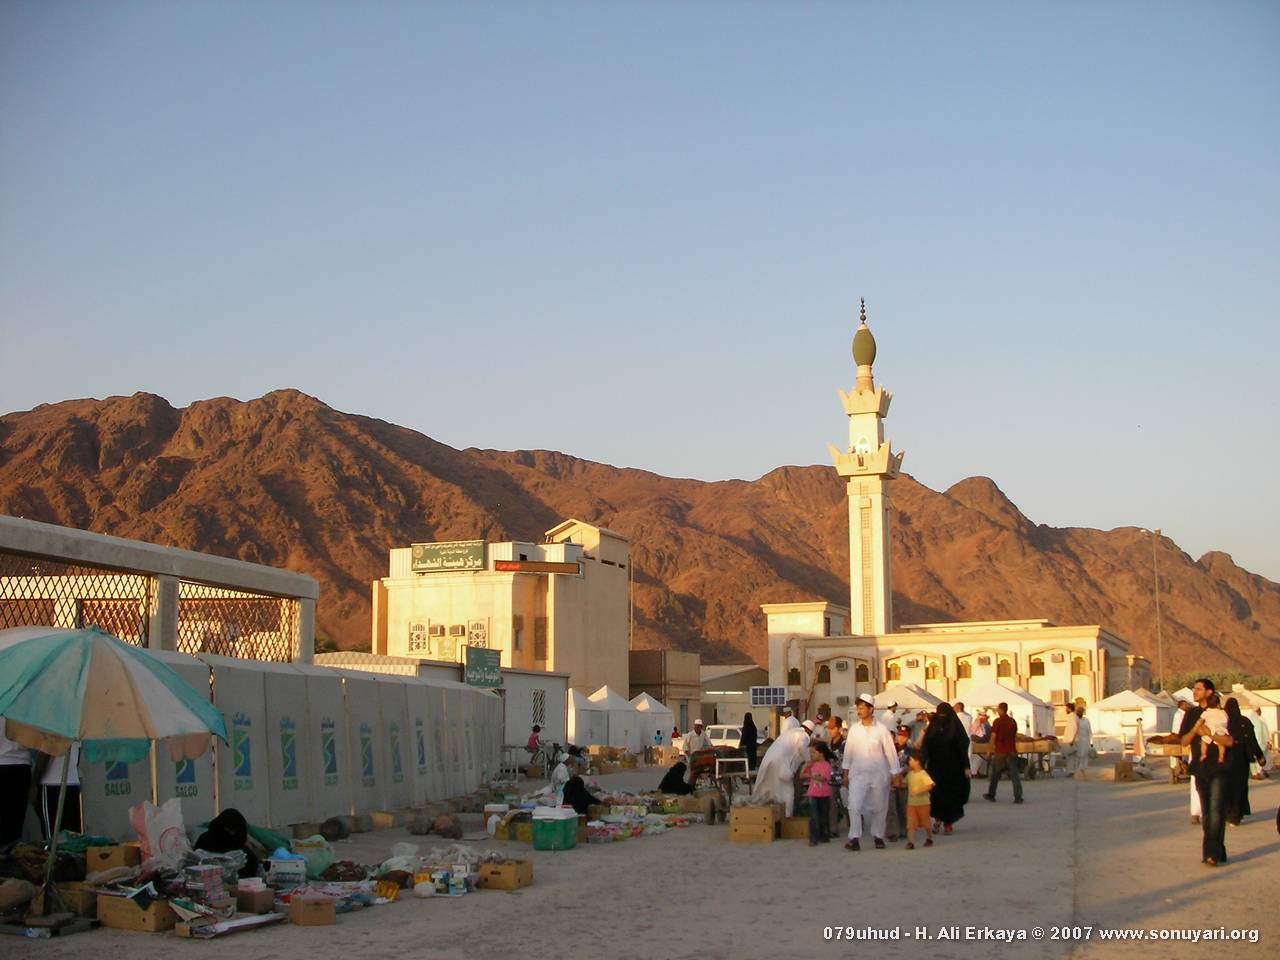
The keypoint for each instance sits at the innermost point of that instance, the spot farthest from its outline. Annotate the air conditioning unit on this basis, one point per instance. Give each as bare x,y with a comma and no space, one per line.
458,630
1058,657
912,664
842,701
1059,696
436,630
984,661
842,666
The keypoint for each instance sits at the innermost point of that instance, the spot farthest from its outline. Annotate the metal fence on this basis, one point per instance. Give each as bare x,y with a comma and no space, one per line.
45,591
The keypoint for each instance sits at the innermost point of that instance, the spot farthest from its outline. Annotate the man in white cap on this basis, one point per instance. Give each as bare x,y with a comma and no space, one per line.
871,767
890,718
696,739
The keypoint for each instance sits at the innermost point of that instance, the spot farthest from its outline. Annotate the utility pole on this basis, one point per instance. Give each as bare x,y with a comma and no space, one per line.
1155,571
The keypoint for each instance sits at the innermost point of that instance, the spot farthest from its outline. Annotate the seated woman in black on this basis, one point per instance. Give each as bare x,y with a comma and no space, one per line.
577,795
228,831
675,780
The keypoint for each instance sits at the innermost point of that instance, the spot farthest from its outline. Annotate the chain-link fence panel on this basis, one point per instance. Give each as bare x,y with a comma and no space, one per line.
235,623
38,591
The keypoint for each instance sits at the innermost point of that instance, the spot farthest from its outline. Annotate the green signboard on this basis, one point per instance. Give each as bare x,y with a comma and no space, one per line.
452,557
484,667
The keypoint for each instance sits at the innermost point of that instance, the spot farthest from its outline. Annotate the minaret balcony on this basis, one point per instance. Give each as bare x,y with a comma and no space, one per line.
880,462
867,401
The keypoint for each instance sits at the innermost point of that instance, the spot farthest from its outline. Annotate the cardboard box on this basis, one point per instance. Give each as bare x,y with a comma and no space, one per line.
79,899
313,911
1124,770
97,859
121,913
754,824
582,829
255,901
511,875
795,828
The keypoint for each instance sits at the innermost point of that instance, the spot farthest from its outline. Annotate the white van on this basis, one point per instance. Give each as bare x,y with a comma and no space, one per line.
726,735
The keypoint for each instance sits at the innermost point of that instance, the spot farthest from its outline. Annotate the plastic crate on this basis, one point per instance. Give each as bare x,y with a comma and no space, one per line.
559,833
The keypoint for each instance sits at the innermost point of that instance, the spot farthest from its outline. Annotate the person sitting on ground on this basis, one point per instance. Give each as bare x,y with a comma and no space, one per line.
562,771
674,781
577,795
228,832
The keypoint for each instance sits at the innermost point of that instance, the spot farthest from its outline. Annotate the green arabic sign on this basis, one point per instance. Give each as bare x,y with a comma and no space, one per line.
458,555
484,667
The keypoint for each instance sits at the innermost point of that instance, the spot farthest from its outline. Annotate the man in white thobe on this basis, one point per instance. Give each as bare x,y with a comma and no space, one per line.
966,722
1194,804
871,768
1076,740
890,718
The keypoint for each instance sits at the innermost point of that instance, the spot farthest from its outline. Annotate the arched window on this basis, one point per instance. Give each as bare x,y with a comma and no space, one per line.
862,674
793,676
932,671
893,672
824,674
1004,669
964,670
1037,667
1077,667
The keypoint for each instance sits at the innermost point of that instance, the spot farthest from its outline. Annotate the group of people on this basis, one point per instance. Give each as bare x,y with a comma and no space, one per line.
1224,752
893,782
29,778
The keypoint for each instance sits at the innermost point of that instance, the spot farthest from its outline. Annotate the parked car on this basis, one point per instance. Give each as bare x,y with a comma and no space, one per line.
726,735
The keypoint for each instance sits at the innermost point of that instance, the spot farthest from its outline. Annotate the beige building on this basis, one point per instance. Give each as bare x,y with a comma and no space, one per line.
726,693
828,653
672,678
560,606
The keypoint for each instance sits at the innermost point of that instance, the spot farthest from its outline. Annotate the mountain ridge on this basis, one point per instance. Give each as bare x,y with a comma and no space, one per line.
287,480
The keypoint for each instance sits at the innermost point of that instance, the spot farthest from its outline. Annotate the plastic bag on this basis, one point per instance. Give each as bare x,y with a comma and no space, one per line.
230,863
317,852
162,834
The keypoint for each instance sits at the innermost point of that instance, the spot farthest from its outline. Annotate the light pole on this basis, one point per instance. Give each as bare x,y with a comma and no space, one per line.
1155,573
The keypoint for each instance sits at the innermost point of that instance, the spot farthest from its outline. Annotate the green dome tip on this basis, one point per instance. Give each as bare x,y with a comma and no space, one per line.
864,344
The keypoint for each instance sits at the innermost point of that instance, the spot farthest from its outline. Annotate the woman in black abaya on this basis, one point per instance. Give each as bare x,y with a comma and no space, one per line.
1240,754
946,757
747,742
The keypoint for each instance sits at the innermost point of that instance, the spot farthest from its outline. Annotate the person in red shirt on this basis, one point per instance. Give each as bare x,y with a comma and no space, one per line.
1004,753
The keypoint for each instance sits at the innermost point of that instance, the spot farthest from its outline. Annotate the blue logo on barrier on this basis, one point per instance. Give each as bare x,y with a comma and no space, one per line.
397,770
241,751
184,777
366,755
118,783
328,752
422,746
288,755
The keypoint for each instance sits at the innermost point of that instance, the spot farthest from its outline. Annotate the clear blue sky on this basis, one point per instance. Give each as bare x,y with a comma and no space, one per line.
637,232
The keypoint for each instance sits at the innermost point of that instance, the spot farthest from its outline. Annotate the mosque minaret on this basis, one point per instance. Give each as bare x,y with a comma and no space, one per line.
869,463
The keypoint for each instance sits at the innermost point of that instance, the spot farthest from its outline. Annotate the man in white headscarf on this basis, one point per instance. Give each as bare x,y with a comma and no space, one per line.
775,777
871,768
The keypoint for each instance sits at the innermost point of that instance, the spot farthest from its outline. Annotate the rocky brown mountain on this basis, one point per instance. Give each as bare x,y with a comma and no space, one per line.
287,480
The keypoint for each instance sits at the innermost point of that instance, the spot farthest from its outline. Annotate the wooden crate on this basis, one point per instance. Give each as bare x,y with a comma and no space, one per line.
754,824
795,828
122,913
506,876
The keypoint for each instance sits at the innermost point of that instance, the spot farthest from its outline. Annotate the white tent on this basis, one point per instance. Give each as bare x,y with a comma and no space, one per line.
1034,716
910,699
587,723
1118,715
623,721
1185,693
1165,697
654,717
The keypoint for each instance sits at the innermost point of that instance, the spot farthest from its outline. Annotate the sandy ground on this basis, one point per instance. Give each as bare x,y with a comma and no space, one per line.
1076,854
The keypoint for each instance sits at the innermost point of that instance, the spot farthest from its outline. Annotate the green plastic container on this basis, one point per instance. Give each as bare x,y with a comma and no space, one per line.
555,834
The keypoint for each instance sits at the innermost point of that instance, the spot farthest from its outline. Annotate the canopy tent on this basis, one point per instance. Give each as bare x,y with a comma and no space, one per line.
587,723
624,722
1165,697
1119,713
1034,716
910,699
654,717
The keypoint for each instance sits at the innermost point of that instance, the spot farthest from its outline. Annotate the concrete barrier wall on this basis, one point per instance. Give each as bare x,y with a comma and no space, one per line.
308,743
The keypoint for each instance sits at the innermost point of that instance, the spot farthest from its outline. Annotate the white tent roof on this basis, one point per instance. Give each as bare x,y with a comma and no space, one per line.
608,699
579,701
988,694
1165,697
1246,697
906,695
1129,700
647,704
